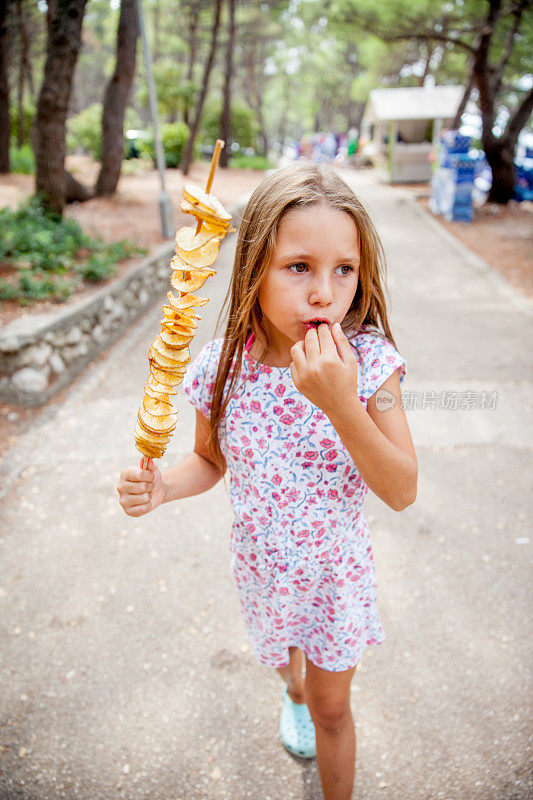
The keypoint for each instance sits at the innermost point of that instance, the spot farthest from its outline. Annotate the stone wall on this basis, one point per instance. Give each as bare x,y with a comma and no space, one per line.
41,354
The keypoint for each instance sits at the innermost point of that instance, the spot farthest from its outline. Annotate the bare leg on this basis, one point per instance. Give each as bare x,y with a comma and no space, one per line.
292,675
328,698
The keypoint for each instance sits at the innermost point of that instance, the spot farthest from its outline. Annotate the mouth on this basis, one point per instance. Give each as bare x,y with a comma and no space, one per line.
315,322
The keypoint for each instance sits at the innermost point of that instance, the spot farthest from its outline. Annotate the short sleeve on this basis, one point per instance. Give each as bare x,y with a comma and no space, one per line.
377,359
199,380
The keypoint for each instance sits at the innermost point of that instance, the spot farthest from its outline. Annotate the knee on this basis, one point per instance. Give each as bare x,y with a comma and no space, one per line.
330,713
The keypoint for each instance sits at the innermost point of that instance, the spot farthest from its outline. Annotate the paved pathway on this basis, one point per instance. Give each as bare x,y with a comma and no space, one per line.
125,669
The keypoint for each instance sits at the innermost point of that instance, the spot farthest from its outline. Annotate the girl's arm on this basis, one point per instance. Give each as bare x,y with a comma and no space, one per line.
380,444
196,473
143,490
324,369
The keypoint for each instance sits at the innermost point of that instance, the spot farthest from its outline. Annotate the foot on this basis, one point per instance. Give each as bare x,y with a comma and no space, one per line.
296,728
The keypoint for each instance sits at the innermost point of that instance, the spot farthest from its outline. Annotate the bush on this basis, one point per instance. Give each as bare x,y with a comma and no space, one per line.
244,124
84,131
22,160
28,116
174,136
50,257
251,162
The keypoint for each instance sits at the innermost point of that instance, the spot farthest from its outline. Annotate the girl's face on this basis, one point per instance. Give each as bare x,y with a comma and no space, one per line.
312,276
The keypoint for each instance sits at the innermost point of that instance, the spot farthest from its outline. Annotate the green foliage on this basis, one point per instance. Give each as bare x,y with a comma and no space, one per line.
28,115
22,160
251,162
48,257
85,130
174,92
244,124
174,136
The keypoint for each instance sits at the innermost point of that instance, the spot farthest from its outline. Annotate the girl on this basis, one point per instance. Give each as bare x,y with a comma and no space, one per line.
301,403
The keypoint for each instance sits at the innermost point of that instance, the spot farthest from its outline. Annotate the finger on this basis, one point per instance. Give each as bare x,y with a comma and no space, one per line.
326,341
139,487
342,344
311,344
139,500
298,354
138,511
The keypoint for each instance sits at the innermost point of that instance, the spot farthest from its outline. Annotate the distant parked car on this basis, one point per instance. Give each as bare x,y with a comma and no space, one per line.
133,142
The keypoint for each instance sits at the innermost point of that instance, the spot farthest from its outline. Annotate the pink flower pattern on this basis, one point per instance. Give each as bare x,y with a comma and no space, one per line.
300,547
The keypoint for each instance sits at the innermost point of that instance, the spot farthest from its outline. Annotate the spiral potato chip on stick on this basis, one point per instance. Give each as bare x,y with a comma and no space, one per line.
168,356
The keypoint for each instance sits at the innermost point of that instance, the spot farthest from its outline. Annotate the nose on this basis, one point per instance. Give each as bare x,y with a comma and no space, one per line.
321,291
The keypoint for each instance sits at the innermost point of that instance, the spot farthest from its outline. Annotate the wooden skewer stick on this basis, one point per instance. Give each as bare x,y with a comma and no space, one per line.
214,164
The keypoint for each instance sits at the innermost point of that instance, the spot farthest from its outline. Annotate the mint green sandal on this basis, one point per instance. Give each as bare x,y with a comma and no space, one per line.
296,728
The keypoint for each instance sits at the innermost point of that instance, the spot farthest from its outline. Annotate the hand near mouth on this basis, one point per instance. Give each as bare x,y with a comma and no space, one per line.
324,367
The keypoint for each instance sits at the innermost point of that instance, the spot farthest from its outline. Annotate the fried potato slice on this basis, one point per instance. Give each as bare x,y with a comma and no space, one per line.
212,222
179,304
154,388
188,240
155,424
174,339
174,317
157,407
174,359
200,250
163,396
190,280
151,439
146,450
171,379
187,300
196,195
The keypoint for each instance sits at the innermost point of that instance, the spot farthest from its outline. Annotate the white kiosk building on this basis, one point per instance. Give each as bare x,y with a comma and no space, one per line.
403,128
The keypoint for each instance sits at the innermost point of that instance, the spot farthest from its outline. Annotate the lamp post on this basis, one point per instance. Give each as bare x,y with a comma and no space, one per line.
165,206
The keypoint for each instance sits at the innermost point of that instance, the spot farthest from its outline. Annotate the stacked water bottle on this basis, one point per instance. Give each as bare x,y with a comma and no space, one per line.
453,179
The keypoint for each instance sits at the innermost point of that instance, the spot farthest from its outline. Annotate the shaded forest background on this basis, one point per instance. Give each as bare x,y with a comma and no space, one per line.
257,73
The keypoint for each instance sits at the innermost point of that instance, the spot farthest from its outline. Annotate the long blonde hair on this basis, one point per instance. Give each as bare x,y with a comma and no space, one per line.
300,185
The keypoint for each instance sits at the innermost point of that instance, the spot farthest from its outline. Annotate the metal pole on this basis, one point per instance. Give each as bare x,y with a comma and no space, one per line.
165,206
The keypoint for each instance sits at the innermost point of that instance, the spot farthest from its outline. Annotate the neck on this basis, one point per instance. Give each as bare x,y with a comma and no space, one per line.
272,354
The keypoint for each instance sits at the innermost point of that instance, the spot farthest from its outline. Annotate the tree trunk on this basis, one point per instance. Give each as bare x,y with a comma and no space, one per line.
464,100
23,72
254,93
63,45
500,158
4,89
193,44
500,153
115,100
225,121
189,147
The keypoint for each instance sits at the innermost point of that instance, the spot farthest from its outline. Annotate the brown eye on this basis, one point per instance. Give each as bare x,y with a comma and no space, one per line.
345,269
298,268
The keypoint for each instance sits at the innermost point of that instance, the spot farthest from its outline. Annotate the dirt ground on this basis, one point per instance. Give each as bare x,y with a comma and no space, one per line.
501,235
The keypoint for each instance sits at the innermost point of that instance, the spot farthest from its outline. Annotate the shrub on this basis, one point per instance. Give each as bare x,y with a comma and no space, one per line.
49,257
22,160
28,116
251,162
244,124
84,130
174,136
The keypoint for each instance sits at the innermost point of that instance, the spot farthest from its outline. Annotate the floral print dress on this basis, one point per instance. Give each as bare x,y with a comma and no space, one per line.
300,546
